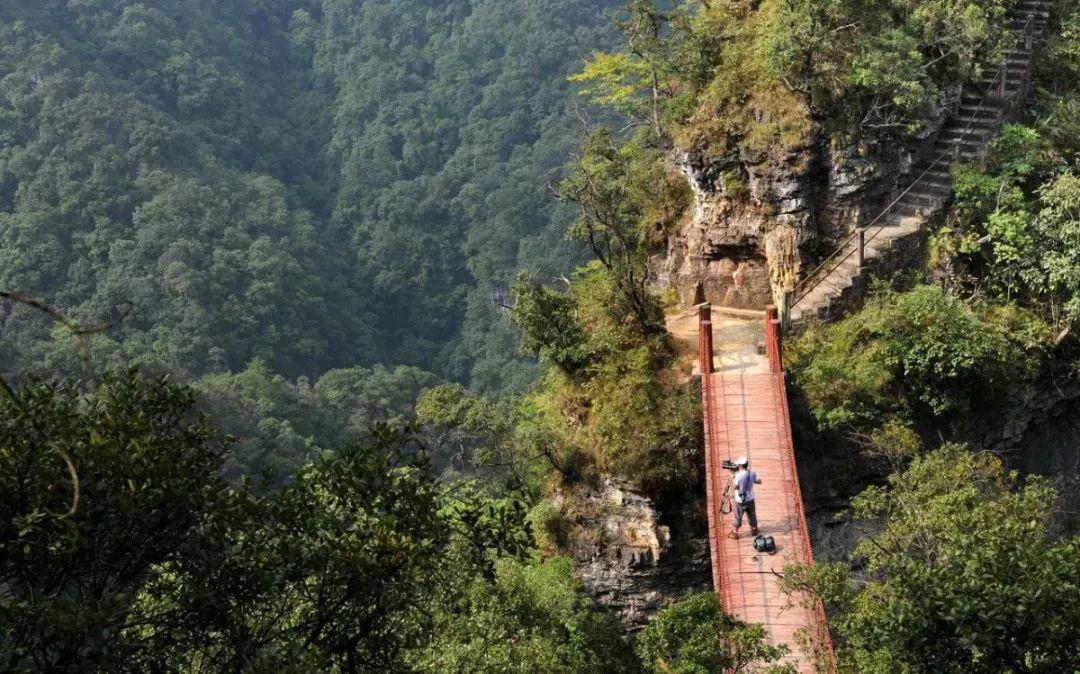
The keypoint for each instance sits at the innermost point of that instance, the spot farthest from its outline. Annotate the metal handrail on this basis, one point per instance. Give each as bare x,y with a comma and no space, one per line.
819,631
802,289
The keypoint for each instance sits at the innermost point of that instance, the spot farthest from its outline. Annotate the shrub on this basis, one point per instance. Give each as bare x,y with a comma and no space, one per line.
922,353
695,636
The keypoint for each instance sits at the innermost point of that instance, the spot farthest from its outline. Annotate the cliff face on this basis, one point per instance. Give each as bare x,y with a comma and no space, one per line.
1038,435
1042,437
633,560
759,221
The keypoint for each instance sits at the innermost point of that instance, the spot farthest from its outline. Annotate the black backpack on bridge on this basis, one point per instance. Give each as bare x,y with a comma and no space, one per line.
765,544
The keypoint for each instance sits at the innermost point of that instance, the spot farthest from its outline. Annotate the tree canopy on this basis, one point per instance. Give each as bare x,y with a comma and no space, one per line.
121,547
961,577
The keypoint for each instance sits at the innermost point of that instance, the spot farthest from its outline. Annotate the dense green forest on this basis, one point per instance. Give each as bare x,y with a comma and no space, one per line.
314,184
321,319
290,187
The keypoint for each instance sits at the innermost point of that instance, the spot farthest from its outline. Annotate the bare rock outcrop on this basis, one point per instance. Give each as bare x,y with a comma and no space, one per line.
630,560
759,221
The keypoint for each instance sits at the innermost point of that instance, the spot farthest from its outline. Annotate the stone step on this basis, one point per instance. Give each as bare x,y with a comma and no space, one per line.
983,102
906,209
981,110
976,96
963,134
933,171
1012,77
947,139
967,156
964,137
939,172
938,192
1038,27
988,122
935,181
1011,74
921,200
977,116
951,148
930,181
967,119
1037,16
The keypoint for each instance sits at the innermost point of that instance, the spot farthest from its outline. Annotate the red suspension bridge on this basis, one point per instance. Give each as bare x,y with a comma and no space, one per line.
746,414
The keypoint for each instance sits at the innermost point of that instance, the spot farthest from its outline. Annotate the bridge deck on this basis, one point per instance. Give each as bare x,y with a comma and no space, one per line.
746,415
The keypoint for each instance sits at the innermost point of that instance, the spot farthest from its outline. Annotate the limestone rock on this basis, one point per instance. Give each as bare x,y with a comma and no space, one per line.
749,207
632,562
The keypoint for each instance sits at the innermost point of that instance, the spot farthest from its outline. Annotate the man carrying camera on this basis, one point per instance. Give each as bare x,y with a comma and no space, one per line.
744,481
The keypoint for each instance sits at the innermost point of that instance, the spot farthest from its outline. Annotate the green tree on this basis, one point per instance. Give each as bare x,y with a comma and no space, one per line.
627,422
121,547
961,577
695,636
549,324
531,618
624,192
921,353
1058,223
77,548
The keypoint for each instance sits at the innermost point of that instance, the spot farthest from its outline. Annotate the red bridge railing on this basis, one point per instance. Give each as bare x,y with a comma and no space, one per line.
820,637
713,490
715,424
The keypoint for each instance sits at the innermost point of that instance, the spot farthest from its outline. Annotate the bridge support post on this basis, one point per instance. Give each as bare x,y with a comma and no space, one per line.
705,339
785,309
772,339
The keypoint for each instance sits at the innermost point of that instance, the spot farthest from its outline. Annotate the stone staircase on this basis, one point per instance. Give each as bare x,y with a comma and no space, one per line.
839,284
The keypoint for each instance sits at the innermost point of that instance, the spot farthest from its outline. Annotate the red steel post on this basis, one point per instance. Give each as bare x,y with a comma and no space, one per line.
705,339
772,338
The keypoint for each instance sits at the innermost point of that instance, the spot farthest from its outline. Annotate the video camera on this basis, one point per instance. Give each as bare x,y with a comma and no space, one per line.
729,465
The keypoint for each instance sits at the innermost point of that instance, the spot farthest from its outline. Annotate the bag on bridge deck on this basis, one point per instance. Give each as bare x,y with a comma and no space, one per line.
765,544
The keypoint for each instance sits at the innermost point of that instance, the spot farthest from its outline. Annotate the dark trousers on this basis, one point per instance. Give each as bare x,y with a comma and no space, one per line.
751,514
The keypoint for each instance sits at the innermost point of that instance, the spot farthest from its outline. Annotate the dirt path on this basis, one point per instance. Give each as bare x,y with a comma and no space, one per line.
735,342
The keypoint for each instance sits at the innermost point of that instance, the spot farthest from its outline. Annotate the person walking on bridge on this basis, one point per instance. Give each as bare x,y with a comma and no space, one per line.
744,482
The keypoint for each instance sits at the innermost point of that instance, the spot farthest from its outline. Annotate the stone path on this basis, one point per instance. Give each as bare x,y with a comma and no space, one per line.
963,138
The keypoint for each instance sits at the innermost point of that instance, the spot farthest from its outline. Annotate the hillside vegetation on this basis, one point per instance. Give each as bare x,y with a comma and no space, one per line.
329,356
316,184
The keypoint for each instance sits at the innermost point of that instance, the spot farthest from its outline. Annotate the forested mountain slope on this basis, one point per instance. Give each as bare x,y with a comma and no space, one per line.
315,184
316,210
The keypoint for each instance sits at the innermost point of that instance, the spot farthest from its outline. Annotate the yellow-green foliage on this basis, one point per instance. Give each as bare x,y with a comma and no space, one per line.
613,416
744,103
720,76
614,80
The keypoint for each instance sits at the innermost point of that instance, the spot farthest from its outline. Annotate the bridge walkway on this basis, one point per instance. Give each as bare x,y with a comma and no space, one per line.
746,414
